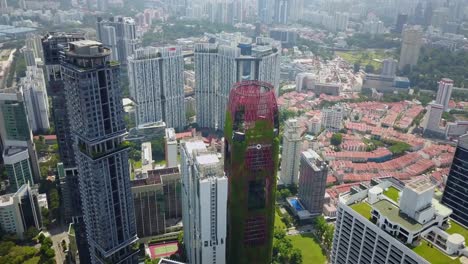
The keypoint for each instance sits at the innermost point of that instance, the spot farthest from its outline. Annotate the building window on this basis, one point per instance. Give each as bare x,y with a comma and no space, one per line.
256,195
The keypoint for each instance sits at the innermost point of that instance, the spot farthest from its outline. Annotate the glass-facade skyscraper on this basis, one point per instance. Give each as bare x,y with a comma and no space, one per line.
94,104
251,164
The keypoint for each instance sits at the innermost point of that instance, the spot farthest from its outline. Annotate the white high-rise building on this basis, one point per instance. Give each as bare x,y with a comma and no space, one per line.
444,92
35,98
390,223
170,148
204,203
341,21
411,46
231,59
108,36
292,141
332,118
431,122
124,43
156,78
389,67
296,10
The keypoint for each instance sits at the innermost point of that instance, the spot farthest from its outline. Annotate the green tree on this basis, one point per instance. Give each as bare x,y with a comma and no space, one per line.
336,139
54,202
328,237
30,233
157,147
356,67
370,68
320,225
295,257
399,148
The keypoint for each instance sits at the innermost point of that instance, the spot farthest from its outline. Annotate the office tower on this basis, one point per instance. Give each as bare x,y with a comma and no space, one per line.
35,98
455,196
389,67
296,10
312,182
292,141
431,122
17,166
204,202
332,118
53,44
14,128
170,141
410,46
20,211
157,200
94,104
374,227
102,5
231,59
109,37
281,11
444,92
266,11
401,22
125,36
341,21
156,78
251,165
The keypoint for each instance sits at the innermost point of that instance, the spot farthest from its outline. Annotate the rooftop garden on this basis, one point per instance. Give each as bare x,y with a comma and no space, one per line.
363,209
433,254
392,193
456,228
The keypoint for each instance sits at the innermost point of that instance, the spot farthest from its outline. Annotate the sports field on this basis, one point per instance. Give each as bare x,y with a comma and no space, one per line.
163,250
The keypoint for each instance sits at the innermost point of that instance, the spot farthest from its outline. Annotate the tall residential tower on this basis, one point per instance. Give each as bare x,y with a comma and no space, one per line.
94,104
292,142
251,164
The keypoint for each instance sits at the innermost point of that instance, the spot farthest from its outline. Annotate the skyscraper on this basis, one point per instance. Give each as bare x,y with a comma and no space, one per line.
204,201
281,11
17,166
36,100
124,43
266,11
332,118
444,92
94,104
410,46
156,78
455,196
312,181
230,59
292,142
431,122
251,165
389,67
400,23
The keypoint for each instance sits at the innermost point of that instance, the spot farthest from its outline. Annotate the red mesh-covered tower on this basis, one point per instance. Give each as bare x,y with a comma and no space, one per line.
251,163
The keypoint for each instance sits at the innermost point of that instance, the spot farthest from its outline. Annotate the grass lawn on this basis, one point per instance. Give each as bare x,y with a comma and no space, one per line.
433,255
392,193
363,209
311,251
278,222
364,57
458,229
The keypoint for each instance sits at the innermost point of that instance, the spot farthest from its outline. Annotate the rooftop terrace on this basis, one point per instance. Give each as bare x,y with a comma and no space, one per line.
392,212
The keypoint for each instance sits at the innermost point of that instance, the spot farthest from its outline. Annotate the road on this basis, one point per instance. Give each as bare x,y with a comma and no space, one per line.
57,234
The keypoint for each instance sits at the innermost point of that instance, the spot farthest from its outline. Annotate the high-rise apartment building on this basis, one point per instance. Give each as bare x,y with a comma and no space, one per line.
332,118
19,211
292,141
400,23
35,98
431,122
14,129
17,166
281,11
122,40
204,201
230,59
53,44
156,78
444,92
410,46
375,226
389,67
157,199
170,143
251,165
312,182
94,104
266,11
455,196
296,10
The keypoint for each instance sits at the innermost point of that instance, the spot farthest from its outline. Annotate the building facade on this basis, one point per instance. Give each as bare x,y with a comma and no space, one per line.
292,142
36,100
94,104
18,167
125,39
230,59
157,86
251,164
170,143
312,182
431,122
204,200
411,46
157,199
444,92
332,118
455,196
19,211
